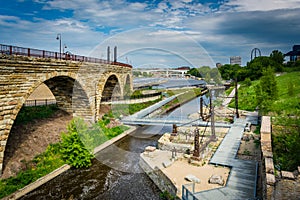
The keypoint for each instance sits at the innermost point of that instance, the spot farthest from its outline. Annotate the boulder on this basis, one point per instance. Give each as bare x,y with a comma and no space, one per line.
192,178
167,163
216,179
150,148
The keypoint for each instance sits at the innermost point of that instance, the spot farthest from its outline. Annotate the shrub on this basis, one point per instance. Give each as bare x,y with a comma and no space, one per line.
72,149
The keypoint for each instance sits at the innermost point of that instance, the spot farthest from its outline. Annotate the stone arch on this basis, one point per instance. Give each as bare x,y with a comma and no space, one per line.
60,84
111,88
127,85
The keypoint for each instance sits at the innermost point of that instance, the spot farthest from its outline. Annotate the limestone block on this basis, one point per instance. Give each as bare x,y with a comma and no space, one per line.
269,165
150,148
287,175
192,178
267,154
167,163
270,179
216,179
265,125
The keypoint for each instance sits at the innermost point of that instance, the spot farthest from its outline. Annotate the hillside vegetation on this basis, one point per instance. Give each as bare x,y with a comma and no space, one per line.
288,101
285,113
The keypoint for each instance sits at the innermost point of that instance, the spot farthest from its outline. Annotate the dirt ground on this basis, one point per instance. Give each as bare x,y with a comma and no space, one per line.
27,141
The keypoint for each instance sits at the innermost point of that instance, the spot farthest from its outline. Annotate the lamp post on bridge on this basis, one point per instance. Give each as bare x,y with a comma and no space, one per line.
58,37
64,47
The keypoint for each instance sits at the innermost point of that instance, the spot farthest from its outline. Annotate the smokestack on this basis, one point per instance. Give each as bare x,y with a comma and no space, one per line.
108,53
115,54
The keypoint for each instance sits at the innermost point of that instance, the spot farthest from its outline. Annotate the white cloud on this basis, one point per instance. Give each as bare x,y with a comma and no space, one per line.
261,5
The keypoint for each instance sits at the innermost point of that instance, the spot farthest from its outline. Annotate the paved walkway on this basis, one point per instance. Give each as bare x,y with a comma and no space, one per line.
241,183
229,97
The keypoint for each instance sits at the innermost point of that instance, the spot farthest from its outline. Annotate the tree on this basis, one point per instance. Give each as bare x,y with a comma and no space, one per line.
277,56
194,72
266,91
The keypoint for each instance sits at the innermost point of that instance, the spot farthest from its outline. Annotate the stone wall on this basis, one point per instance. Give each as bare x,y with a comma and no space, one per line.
158,177
77,86
272,187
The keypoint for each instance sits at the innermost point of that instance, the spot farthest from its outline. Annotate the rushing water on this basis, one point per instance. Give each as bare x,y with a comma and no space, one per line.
119,178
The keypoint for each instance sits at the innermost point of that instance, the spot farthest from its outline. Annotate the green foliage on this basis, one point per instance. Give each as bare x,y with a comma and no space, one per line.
28,114
194,72
291,89
129,109
207,73
72,148
286,142
41,165
292,66
266,91
165,195
247,81
249,98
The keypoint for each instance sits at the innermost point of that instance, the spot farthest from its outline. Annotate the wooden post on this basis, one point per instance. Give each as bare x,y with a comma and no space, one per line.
236,99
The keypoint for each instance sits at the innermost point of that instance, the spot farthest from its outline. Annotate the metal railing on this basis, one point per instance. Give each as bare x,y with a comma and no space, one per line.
120,98
40,102
36,53
187,194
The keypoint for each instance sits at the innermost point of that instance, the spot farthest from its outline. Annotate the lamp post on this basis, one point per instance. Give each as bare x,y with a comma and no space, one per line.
64,47
58,37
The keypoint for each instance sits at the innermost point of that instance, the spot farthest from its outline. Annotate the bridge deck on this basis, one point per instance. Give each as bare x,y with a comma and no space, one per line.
241,183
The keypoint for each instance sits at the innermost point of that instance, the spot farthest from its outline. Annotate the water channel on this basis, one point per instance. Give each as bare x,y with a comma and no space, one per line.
115,173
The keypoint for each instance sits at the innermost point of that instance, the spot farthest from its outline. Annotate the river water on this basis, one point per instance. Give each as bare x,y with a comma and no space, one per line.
115,173
119,178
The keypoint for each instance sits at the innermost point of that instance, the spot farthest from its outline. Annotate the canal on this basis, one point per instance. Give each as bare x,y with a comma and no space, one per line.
115,173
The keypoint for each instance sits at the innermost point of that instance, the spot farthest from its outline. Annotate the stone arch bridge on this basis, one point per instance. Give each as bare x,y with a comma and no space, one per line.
77,86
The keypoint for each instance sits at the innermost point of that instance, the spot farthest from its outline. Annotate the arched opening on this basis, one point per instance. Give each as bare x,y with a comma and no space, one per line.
111,90
127,86
30,138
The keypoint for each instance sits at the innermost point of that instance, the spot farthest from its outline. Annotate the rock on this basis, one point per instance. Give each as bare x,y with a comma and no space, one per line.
167,163
299,169
150,148
216,179
270,179
192,178
287,175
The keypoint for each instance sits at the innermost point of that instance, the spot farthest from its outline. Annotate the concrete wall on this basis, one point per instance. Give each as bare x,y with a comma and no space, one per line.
77,86
158,177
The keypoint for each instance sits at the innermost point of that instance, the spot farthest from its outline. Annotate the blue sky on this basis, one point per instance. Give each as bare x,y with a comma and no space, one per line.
154,33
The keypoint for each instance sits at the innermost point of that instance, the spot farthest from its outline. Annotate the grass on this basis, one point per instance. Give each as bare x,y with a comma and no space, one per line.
285,113
286,103
182,98
40,166
28,114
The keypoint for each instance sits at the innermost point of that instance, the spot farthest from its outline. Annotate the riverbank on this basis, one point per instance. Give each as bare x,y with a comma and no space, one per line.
27,189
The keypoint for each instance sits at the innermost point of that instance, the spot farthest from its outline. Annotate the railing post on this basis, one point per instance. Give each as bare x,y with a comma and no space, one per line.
28,52
35,102
46,102
10,50
43,53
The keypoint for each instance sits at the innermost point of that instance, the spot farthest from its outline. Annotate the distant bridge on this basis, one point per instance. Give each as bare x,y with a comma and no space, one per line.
78,83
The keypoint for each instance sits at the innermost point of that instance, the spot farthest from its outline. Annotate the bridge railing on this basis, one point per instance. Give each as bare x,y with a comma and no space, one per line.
15,50
132,97
39,102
